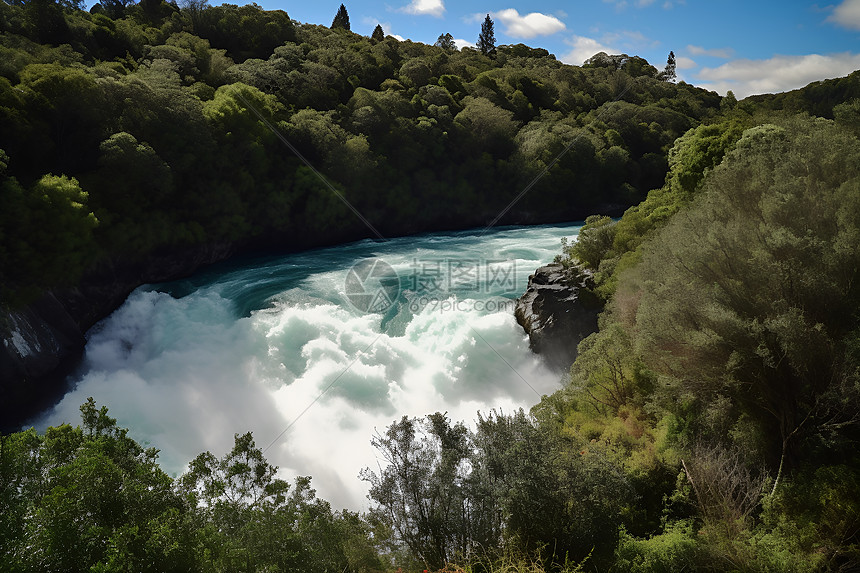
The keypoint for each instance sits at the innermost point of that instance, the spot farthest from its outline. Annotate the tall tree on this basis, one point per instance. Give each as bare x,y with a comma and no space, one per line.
420,493
668,74
341,19
487,38
378,33
446,41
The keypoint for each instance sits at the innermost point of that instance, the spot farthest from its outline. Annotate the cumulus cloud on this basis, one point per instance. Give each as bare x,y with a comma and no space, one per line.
777,74
722,53
685,63
425,7
528,25
460,43
847,14
583,48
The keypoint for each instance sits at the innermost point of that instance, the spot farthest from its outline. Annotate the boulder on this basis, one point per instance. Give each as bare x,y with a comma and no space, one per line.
557,311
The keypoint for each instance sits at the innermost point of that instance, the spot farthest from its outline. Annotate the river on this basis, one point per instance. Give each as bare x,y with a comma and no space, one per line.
315,351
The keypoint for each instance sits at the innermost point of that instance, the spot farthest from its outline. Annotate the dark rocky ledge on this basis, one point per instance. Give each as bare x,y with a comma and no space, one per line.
557,311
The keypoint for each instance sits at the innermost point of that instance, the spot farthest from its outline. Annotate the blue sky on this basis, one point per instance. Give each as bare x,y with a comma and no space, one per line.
748,47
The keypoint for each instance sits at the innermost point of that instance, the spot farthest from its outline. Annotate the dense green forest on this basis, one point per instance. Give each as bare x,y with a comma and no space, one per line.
178,105
710,425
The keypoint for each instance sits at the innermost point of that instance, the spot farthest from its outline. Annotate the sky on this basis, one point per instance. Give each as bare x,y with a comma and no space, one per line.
747,47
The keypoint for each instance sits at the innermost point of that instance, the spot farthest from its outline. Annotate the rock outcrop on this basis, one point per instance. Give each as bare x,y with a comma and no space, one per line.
557,311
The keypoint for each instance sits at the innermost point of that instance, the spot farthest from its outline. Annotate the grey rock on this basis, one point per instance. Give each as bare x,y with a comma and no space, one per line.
557,311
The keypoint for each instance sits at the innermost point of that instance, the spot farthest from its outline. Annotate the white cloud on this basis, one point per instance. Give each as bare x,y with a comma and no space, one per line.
685,63
723,53
777,74
425,7
583,48
528,25
847,14
463,43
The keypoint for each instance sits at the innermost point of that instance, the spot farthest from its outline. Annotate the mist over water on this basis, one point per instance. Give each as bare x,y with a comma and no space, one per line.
269,343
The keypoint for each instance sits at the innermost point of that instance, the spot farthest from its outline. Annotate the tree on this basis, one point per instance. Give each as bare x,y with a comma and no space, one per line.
487,38
446,42
341,19
668,74
420,492
378,34
102,503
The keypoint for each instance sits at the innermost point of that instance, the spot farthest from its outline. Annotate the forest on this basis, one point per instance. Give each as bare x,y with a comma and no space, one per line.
712,422
415,137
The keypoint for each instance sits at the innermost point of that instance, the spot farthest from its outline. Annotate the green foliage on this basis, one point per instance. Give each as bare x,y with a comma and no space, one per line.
676,549
691,157
595,239
47,233
420,492
668,74
91,499
245,31
729,352
758,271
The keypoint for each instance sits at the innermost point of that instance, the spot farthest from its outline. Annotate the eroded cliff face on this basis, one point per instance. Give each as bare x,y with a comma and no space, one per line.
557,312
41,343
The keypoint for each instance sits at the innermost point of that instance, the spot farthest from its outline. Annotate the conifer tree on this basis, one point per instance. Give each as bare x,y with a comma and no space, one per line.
668,74
378,33
341,19
487,38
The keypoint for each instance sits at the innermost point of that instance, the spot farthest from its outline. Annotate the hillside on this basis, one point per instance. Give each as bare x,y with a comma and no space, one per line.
133,131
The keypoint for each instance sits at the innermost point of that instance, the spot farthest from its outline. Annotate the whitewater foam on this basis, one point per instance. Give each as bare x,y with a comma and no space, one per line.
249,347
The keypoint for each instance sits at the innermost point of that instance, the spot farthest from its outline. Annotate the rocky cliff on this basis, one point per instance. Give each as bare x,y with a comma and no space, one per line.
558,311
